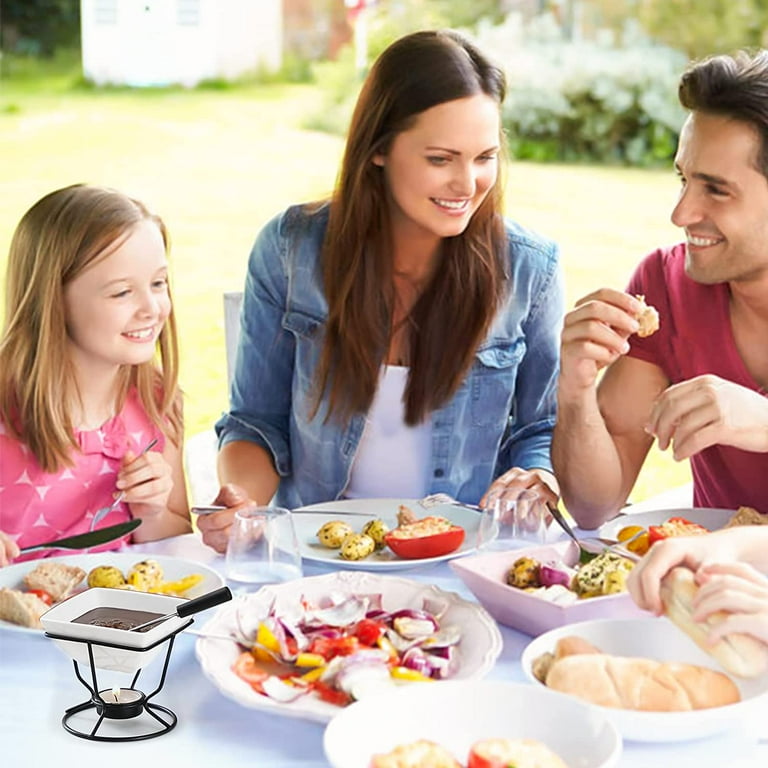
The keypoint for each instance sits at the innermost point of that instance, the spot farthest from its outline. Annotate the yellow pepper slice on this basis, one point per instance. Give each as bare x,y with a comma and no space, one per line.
403,673
178,587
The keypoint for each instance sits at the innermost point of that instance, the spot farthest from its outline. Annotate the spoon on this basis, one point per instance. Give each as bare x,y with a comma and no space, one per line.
188,607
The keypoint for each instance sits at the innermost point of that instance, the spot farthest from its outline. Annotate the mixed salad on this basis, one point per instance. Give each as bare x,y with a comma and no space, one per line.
345,647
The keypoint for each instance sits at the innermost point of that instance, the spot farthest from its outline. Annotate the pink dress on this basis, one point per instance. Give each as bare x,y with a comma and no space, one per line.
695,337
36,506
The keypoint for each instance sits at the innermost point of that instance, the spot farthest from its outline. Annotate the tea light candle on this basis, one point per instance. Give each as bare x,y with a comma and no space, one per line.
120,703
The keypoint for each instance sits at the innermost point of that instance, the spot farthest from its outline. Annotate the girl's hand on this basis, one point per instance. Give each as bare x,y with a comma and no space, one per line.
147,481
9,550
215,527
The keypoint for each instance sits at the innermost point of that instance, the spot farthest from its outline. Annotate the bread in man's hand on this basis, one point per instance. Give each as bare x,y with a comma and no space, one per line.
22,608
739,654
57,579
642,684
648,318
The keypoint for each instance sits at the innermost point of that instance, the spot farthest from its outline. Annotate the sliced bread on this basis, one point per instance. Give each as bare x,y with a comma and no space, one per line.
57,579
21,608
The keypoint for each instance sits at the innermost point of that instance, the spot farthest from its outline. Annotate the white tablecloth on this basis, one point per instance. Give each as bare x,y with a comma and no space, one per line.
38,684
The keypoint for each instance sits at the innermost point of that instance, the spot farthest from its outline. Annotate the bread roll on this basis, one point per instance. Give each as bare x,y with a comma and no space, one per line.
641,684
746,516
739,654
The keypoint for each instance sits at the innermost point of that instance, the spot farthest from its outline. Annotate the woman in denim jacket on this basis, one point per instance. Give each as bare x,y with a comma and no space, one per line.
401,338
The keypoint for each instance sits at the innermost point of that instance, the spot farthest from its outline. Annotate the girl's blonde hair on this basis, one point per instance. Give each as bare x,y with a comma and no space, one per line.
58,238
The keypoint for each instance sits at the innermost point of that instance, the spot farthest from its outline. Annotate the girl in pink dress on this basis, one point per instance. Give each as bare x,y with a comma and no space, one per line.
88,374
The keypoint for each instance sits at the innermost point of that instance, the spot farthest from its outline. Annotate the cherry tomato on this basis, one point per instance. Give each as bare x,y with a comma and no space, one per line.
42,594
428,537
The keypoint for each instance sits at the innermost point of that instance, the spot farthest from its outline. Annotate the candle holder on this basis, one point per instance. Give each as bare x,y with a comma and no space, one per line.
120,703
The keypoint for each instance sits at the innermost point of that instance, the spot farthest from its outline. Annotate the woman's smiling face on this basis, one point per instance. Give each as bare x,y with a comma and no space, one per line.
441,169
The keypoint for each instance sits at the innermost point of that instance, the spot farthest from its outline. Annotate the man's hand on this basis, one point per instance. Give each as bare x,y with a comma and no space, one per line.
594,335
708,410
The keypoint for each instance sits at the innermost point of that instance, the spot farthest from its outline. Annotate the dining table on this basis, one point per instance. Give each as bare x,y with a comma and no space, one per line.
38,685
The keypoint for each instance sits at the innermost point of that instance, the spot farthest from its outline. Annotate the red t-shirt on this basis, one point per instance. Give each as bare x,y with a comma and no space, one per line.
694,338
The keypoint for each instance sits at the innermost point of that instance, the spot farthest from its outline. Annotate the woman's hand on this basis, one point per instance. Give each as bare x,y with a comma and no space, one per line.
147,480
215,527
9,550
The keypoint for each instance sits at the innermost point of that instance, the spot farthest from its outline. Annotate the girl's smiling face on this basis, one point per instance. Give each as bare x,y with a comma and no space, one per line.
441,169
116,308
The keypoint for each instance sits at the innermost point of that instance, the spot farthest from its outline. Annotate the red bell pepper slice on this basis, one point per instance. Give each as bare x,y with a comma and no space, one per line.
330,694
329,647
428,537
675,526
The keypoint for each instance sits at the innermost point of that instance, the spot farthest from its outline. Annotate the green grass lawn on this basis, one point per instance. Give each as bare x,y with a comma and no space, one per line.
218,164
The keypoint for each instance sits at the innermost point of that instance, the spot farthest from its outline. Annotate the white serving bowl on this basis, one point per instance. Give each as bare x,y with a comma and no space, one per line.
457,714
656,638
485,575
142,646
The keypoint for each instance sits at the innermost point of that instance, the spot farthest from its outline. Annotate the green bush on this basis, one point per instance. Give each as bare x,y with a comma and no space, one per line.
586,101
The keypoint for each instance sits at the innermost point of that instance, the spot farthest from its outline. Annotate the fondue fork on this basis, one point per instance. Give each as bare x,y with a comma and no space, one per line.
188,607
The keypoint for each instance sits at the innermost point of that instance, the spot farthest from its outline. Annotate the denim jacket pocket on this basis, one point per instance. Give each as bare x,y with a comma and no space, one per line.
307,333
492,381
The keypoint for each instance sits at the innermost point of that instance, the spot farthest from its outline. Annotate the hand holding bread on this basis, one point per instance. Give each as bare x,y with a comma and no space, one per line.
701,613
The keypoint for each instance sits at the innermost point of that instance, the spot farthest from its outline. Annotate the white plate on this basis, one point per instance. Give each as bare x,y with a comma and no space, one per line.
174,568
656,638
706,516
479,647
456,715
357,512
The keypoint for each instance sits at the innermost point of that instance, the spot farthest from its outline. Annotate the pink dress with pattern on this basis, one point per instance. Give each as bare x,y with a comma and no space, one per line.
36,506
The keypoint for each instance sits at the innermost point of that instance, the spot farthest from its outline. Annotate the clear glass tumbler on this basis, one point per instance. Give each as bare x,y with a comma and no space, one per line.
262,549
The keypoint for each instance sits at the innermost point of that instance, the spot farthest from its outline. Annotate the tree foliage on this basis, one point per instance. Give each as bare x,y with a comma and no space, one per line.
696,27
38,27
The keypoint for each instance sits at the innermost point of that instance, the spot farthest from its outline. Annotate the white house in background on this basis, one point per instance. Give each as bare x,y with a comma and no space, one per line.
164,42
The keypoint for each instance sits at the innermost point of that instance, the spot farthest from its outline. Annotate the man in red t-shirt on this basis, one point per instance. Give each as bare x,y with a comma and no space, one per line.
698,385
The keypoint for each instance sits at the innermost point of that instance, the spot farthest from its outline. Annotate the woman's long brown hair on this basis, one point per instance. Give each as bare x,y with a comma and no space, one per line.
452,316
59,237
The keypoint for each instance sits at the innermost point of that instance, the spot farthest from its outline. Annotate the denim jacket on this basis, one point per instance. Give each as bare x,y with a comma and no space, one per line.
501,416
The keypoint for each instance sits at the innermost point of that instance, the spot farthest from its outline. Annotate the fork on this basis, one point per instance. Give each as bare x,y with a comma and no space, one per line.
592,545
437,499
104,511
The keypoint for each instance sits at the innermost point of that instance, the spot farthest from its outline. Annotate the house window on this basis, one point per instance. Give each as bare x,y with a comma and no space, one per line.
105,12
188,13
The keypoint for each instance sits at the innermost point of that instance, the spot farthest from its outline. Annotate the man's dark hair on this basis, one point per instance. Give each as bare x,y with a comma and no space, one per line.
731,86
